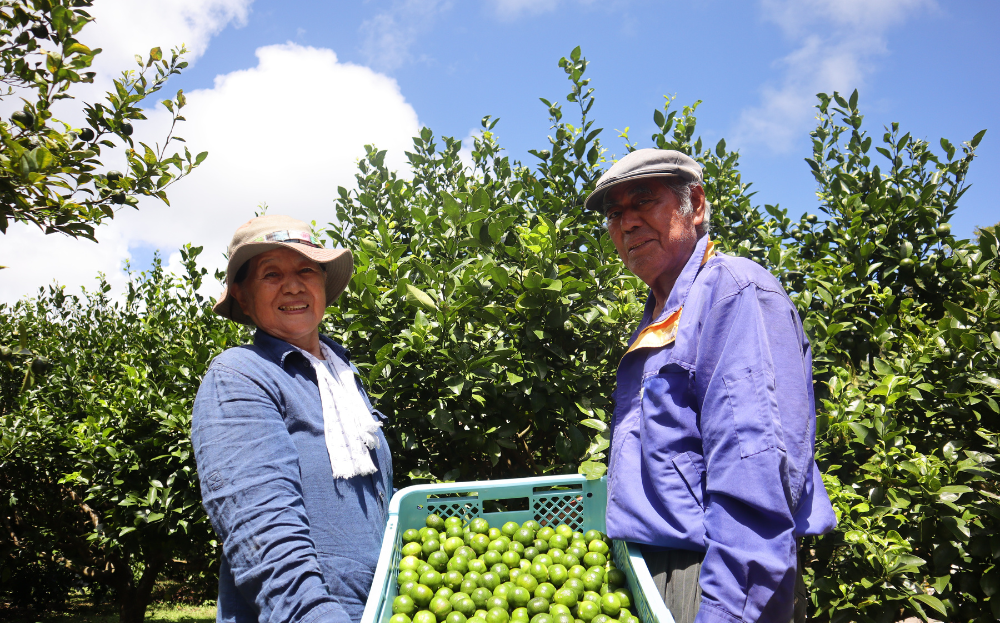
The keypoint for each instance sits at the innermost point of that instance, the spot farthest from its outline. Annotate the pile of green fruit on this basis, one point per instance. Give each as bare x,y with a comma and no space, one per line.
450,573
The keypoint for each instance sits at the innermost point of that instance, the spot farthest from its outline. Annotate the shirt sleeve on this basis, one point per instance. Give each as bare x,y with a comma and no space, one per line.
750,338
249,472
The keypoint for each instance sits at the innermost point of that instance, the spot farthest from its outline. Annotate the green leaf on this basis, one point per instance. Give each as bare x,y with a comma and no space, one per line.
455,383
416,296
978,137
592,469
931,601
595,424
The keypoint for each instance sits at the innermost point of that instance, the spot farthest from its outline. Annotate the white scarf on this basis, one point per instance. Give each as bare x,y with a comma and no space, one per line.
348,426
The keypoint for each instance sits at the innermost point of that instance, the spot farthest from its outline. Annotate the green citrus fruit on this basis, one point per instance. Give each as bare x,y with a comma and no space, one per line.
438,560
479,596
432,579
479,525
591,596
399,618
545,533
564,530
422,595
440,606
411,536
492,557
524,536
430,545
519,614
127,128
530,552
906,262
563,618
544,559
466,606
573,584
501,570
537,605
546,590
528,582
514,546
497,615
452,544
598,546
558,541
404,604
477,565
454,617
497,602
86,135
510,528
407,575
412,549
453,521
592,581
453,579
616,578
511,559
480,543
576,571
503,591
458,563
611,604
626,597
943,229
587,610
491,580
593,535
595,559
565,597
577,549
454,531
520,596
542,617
410,562
601,618
542,545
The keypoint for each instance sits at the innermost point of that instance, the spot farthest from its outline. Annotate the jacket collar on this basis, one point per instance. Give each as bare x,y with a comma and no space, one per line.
682,287
278,350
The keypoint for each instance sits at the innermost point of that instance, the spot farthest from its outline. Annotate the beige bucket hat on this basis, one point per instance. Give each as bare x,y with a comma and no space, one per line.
272,231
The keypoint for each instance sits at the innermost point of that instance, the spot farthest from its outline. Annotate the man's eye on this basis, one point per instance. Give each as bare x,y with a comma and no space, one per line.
613,215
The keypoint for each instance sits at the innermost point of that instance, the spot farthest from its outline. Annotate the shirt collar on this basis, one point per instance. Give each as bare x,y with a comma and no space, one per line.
278,350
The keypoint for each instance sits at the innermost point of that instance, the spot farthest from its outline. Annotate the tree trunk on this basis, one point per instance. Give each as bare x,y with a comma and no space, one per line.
135,597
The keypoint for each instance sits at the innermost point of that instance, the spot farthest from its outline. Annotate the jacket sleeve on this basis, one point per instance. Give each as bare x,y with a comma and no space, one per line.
751,382
249,472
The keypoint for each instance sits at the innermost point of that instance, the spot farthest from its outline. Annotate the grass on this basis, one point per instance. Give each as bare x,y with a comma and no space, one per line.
156,613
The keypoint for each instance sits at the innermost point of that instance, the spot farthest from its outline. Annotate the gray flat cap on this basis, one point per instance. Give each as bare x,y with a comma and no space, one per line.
645,163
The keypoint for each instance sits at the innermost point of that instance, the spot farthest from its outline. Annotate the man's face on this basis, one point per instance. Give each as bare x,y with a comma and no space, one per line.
652,237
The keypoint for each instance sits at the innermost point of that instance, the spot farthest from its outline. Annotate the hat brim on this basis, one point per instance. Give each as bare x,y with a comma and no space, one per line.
595,201
338,263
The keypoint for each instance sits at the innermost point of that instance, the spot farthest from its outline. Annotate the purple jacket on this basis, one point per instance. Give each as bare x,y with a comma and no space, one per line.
713,436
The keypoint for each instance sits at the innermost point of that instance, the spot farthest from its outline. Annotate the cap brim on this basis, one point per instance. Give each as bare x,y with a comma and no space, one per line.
595,200
339,265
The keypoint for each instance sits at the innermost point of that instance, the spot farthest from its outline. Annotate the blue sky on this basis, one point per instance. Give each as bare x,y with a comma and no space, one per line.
284,94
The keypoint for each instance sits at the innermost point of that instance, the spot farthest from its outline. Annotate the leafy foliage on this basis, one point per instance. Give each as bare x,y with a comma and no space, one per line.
95,455
49,172
488,312
486,307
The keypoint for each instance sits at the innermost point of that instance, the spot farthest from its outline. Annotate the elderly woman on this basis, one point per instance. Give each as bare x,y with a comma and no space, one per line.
295,472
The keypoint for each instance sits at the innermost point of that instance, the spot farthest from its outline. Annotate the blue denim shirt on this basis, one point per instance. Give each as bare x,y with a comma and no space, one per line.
297,544
713,436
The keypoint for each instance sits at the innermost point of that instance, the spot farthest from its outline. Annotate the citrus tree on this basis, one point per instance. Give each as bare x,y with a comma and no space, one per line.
96,466
51,174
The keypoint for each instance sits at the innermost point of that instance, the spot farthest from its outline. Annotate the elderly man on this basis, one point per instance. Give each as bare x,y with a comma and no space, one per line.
712,467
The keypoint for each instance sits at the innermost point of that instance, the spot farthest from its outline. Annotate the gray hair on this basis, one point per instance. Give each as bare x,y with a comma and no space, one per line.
682,190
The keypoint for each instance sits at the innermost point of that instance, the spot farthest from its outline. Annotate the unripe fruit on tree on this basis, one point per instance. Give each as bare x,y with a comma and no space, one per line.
114,176
40,365
906,262
86,135
943,229
40,31
812,218
118,198
23,118
126,128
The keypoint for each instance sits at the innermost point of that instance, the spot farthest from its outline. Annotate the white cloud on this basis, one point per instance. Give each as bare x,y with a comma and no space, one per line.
837,45
286,132
510,9
389,35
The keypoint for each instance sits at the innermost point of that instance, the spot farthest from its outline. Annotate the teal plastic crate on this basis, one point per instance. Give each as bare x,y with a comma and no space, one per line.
550,500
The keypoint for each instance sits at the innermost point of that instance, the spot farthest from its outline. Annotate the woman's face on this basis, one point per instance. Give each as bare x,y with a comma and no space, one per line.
285,295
